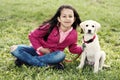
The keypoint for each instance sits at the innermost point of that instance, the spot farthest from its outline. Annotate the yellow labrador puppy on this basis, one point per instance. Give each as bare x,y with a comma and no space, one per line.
92,53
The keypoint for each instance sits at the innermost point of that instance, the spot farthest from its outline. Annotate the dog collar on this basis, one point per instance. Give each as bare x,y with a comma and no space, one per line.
90,40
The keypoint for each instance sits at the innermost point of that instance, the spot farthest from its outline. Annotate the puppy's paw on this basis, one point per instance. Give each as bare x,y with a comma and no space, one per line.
79,67
100,69
95,71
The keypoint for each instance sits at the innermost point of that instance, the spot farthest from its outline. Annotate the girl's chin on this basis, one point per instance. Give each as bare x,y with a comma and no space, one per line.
68,25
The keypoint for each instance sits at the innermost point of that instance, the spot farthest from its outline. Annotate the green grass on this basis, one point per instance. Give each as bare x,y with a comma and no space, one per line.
19,17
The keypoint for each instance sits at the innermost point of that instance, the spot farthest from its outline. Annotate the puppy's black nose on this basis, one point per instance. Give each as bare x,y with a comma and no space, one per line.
89,31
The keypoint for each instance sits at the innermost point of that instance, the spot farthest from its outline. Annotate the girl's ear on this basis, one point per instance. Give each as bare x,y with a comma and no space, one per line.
74,19
58,18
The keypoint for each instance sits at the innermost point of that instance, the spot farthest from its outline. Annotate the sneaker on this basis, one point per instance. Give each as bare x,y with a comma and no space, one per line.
18,63
59,66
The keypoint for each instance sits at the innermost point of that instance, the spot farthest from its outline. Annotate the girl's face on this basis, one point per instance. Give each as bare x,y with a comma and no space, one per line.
66,18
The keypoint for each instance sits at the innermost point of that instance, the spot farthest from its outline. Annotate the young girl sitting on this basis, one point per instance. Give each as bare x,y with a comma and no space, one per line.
50,39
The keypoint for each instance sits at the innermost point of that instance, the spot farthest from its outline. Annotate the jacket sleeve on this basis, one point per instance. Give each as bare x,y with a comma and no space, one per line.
74,47
36,35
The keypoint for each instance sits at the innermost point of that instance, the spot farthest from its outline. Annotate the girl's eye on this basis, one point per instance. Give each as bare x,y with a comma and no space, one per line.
63,16
70,16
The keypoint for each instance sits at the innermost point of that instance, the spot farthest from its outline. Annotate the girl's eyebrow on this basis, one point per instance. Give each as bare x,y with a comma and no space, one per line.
66,14
63,14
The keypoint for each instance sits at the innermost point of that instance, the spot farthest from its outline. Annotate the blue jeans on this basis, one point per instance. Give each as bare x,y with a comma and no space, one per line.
28,55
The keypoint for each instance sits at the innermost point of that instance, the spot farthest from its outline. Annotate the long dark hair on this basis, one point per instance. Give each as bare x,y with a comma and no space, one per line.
54,21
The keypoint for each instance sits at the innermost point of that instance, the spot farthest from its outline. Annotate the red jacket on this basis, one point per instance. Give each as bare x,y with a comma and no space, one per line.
36,39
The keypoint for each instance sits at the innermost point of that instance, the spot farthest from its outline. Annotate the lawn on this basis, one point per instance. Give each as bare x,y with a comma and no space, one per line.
19,17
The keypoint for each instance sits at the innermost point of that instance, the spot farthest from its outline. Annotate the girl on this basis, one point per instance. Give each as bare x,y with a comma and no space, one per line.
50,39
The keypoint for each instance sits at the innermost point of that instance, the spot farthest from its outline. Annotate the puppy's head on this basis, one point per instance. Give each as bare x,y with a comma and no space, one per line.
89,26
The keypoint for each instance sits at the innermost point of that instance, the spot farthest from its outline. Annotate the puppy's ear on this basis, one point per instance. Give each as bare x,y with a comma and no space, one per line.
97,26
82,25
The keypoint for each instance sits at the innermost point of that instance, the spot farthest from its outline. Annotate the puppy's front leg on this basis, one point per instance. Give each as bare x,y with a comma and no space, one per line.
96,66
82,61
102,59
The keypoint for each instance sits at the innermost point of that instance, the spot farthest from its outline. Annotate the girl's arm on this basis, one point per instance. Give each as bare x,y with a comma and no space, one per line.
74,47
38,34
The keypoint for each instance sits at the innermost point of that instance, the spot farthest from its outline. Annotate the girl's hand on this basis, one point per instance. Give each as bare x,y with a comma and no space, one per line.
44,50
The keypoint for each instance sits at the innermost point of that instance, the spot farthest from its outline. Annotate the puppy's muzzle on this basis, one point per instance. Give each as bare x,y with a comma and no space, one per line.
89,31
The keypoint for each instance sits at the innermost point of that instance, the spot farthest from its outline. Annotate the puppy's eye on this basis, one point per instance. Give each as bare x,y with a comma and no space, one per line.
93,26
86,25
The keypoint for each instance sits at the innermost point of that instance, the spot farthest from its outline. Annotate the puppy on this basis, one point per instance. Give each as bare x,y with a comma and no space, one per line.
92,53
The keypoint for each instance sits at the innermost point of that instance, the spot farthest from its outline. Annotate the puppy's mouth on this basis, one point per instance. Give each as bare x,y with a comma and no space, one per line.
89,32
